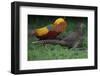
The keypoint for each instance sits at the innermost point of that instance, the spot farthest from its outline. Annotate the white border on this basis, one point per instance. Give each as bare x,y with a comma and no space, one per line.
26,65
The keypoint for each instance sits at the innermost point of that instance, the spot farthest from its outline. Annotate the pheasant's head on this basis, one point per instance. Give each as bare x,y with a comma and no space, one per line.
59,25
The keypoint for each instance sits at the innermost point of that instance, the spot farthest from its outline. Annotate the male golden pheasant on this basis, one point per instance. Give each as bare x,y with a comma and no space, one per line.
51,31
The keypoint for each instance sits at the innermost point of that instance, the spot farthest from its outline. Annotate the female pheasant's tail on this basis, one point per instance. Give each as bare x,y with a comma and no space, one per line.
50,42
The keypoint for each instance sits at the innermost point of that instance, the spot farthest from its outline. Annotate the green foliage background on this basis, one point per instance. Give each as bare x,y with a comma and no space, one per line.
49,51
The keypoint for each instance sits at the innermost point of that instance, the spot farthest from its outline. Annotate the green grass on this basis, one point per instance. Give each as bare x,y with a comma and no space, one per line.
49,51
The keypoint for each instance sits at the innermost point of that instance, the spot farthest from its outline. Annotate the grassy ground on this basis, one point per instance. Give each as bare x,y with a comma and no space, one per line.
49,51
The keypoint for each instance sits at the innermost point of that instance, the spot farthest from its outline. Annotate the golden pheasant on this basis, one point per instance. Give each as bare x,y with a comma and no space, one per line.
72,40
51,31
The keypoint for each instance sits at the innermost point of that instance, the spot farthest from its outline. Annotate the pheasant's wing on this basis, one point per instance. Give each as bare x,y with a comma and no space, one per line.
71,39
71,36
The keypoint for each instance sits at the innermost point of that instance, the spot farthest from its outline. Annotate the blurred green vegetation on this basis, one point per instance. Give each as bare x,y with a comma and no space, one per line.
49,51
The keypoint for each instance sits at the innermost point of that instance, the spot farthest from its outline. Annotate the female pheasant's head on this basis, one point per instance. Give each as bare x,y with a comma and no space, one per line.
59,25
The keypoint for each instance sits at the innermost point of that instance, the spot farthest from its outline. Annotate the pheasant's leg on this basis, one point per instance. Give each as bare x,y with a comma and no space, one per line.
46,46
76,44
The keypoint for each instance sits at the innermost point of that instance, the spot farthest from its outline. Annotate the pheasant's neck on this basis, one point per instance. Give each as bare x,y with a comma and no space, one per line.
50,27
79,28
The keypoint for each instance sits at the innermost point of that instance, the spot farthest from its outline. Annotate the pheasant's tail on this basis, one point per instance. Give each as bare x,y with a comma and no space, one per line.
35,42
50,42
